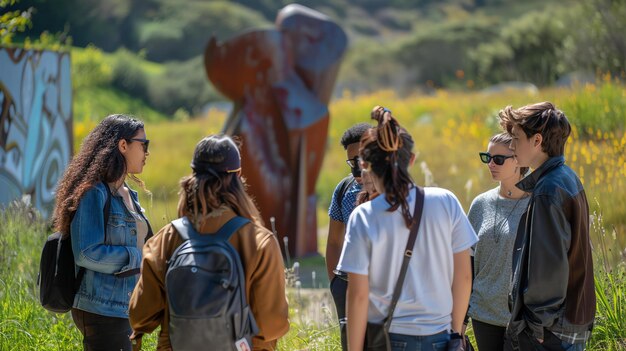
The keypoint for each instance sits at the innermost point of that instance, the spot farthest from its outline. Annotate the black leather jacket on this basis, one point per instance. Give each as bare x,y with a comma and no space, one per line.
553,284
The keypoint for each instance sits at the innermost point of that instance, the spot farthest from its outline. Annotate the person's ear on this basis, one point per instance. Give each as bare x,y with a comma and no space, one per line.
537,139
412,159
122,145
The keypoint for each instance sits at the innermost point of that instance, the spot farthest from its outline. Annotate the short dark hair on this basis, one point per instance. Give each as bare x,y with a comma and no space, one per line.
354,133
543,118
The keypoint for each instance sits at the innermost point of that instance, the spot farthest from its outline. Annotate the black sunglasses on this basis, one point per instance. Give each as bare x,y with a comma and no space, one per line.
144,143
353,162
497,159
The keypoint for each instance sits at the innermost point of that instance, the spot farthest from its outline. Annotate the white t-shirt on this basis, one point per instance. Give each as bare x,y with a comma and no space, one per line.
374,245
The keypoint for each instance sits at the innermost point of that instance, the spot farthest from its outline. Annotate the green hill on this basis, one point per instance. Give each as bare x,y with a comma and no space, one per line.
404,45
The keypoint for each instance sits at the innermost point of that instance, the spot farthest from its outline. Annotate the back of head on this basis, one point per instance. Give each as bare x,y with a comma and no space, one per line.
353,134
386,150
216,154
543,118
215,181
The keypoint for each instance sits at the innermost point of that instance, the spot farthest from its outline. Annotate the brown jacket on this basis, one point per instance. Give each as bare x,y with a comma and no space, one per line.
264,274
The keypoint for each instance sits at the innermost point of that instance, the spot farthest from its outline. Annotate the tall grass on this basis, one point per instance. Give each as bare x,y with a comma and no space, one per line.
610,286
25,325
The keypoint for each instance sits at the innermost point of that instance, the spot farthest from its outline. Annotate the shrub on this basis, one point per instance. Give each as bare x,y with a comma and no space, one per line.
128,75
526,49
89,68
181,32
182,85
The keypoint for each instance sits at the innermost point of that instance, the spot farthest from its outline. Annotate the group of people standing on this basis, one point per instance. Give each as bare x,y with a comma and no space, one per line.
518,264
122,294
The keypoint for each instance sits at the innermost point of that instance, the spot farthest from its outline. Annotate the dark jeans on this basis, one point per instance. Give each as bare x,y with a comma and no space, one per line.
525,341
101,333
338,288
489,337
436,342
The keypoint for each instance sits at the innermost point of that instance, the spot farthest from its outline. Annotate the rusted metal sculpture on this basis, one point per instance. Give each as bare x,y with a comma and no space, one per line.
280,81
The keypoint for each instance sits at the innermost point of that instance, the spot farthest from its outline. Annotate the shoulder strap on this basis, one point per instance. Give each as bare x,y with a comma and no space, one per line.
345,184
186,231
105,211
408,252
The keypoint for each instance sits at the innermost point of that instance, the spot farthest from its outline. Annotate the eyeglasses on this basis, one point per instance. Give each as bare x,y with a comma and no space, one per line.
144,143
485,157
353,162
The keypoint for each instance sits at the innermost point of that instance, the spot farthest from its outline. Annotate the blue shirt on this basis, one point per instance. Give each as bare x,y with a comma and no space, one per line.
342,212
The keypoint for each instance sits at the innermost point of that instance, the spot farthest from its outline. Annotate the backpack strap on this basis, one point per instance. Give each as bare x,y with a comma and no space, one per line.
186,231
344,185
105,211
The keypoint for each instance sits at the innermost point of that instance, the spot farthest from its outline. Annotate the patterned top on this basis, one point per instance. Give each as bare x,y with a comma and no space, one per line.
342,212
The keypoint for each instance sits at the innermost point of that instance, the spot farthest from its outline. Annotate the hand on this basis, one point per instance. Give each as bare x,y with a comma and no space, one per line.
136,344
540,340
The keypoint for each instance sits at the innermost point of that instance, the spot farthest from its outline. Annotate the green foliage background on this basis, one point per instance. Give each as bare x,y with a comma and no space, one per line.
408,46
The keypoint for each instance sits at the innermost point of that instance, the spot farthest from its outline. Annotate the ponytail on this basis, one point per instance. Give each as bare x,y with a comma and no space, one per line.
386,151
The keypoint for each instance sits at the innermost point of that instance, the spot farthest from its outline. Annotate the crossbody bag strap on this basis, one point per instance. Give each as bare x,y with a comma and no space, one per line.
408,252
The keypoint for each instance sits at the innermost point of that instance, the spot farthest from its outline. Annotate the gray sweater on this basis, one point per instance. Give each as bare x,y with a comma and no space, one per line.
493,254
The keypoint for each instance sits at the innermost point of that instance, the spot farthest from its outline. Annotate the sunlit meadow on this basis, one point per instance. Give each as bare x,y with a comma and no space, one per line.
449,129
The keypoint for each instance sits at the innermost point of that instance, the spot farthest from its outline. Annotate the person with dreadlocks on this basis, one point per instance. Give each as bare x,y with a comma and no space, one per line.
436,290
211,196
107,255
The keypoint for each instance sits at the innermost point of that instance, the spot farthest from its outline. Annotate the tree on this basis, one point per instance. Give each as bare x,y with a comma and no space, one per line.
12,22
597,40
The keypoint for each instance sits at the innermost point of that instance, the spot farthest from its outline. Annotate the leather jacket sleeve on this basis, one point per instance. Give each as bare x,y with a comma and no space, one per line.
548,270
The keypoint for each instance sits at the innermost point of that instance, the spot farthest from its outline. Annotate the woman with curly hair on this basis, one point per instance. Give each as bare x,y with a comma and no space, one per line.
210,197
436,290
107,255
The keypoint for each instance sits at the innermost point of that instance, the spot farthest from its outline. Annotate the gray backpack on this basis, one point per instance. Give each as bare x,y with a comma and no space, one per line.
206,294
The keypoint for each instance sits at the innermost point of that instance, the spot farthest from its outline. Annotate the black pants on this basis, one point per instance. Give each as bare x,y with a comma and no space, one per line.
101,333
489,337
338,288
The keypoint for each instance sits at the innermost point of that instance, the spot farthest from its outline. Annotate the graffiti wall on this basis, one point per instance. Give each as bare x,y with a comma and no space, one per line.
35,125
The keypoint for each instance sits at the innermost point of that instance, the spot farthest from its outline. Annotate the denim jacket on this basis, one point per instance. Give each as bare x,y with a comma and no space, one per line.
103,291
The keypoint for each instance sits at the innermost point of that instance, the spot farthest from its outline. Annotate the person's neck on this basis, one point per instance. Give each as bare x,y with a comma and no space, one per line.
118,183
541,158
508,189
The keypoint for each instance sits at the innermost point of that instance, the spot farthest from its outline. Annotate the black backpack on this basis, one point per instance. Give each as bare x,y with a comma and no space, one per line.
206,294
57,283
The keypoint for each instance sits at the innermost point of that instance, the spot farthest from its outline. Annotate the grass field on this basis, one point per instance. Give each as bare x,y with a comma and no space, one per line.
449,130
